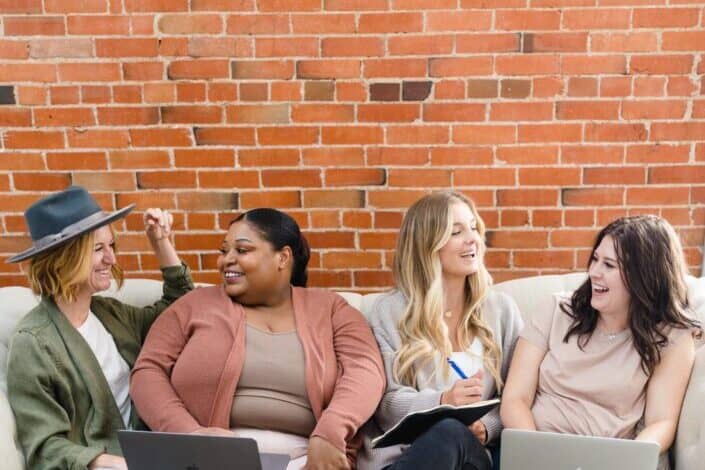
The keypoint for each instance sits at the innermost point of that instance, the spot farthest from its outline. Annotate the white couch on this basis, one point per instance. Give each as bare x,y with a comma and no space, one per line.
531,294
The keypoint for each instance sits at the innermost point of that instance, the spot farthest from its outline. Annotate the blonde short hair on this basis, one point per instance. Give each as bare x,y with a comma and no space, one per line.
59,273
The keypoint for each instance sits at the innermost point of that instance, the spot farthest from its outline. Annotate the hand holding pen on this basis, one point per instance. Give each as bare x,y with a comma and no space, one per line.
464,391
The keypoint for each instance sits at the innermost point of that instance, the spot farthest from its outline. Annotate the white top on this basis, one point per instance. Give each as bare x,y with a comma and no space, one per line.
114,367
469,362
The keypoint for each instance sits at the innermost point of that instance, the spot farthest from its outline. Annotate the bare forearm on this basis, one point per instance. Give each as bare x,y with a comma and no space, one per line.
660,432
517,415
165,253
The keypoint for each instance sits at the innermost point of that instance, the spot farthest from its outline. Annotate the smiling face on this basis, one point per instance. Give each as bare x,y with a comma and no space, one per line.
250,266
462,254
609,295
102,260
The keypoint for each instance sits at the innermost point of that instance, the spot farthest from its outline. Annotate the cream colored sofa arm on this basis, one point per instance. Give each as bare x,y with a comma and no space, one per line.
10,454
689,448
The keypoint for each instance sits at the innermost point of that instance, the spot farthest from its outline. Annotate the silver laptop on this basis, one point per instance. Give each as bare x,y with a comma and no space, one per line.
144,450
526,450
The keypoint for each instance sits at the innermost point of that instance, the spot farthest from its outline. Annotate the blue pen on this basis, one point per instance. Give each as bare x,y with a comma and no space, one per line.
457,369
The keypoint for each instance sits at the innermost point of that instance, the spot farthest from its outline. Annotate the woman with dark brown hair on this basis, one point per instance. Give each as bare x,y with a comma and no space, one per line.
620,348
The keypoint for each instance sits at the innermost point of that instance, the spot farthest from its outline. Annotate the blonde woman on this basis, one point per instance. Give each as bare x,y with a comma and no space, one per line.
70,357
443,308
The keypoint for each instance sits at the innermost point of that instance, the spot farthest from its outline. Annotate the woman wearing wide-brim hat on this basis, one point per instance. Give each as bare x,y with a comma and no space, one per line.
70,357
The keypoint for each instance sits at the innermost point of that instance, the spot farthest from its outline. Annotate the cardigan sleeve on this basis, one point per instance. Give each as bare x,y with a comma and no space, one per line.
361,383
157,403
43,426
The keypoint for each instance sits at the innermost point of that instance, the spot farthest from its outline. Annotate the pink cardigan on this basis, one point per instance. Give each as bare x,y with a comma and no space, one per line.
187,372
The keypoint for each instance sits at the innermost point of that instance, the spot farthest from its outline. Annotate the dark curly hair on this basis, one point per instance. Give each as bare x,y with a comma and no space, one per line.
281,230
653,270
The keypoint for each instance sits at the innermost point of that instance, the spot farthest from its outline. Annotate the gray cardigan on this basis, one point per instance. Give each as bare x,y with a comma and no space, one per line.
504,319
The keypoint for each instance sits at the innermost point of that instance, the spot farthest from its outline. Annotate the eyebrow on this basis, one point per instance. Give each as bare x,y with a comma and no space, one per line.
243,239
595,253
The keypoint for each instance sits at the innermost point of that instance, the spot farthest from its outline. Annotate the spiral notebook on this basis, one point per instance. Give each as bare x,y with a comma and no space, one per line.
414,424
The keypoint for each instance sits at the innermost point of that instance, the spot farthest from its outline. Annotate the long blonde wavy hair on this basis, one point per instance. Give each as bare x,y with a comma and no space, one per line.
426,228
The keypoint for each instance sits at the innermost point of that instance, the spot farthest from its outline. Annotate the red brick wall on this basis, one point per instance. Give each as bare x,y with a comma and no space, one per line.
556,116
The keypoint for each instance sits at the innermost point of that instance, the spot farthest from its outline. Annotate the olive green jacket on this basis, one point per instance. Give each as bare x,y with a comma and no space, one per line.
66,414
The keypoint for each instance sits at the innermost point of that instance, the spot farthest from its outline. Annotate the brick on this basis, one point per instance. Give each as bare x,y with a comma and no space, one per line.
141,6
683,40
95,138
63,117
40,181
293,178
83,6
288,5
328,68
553,259
161,137
20,6
529,111
449,112
614,175
658,153
653,109
484,134
279,199
21,161
190,24
527,65
350,91
398,68
103,25
138,159
416,91
554,42
191,114
473,20
449,90
253,92
585,110
549,176
166,179
173,46
420,45
95,94
352,260
528,155
349,135
388,112
334,156
460,67
222,5
678,174
33,139
596,18
268,157
104,181
64,95
202,200
286,47
681,86
49,48
21,72
527,197
615,86
291,135
623,42
582,86
409,156
579,217
89,72
220,47
14,49
124,116
33,26
355,177
258,114
661,64
257,24
76,161
319,90
592,154
615,132
352,46
199,158
423,4
355,5
572,238
546,87
417,134
14,117
385,91
478,43
649,86
285,91
484,177
127,93
527,20
592,197
550,133
224,136
404,22
228,179
658,196
330,239
322,23
126,47
517,239
515,218
427,178
323,113
584,65
198,69
670,17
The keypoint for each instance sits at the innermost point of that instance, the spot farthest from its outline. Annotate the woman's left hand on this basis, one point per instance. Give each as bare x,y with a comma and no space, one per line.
480,431
157,224
322,455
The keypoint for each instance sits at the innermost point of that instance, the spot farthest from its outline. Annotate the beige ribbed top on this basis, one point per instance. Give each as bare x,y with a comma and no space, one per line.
271,393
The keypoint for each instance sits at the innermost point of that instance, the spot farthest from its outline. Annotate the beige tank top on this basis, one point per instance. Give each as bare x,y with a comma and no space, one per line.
271,393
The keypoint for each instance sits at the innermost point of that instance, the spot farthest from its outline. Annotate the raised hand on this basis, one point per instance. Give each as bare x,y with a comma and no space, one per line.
464,391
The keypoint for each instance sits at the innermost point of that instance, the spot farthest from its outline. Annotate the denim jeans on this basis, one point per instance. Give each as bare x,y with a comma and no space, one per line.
447,445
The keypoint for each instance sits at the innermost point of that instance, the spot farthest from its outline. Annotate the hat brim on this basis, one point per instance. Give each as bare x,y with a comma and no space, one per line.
108,218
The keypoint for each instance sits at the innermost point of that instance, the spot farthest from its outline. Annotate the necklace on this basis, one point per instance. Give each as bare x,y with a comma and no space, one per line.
610,336
448,314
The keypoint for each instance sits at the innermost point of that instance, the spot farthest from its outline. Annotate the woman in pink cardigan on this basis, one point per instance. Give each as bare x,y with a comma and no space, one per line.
262,356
